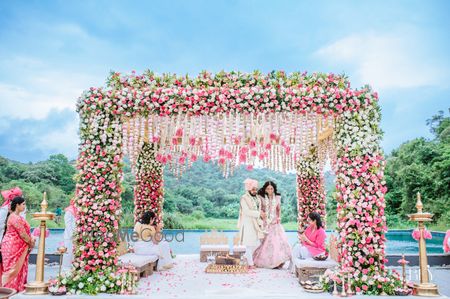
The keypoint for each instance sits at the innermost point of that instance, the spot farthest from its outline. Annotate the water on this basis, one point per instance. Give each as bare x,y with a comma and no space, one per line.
188,242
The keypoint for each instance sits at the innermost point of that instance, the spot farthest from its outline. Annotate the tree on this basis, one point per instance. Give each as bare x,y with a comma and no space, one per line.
63,171
421,165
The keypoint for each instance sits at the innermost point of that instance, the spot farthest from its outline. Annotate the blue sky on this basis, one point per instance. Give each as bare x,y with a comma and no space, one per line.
50,51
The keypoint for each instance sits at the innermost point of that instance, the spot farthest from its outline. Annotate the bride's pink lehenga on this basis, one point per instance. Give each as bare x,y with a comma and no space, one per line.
15,253
274,249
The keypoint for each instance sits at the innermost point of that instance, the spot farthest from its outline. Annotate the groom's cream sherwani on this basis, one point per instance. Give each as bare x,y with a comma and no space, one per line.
249,222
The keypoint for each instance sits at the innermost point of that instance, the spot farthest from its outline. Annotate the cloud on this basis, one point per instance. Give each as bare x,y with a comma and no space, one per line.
40,89
398,59
36,139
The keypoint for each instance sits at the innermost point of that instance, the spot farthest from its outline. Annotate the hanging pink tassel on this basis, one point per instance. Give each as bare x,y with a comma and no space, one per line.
37,232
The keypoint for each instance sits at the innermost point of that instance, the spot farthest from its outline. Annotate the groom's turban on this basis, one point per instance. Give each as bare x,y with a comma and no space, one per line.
250,184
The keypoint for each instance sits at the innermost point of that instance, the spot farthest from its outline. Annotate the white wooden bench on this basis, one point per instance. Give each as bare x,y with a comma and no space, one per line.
144,264
213,244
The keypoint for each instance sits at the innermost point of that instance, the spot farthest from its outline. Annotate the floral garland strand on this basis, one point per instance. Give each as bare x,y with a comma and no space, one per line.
310,189
360,189
149,188
98,202
212,94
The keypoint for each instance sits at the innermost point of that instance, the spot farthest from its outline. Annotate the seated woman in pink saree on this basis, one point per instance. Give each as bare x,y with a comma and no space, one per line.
16,246
274,250
313,239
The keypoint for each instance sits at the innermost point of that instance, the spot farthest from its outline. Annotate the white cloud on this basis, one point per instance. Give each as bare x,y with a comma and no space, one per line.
398,59
38,138
40,89
19,102
61,140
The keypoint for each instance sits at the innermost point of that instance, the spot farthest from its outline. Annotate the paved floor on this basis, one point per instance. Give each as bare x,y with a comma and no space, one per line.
188,280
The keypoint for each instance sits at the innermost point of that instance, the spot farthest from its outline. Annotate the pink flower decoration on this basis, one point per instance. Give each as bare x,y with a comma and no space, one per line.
37,232
426,234
179,132
403,262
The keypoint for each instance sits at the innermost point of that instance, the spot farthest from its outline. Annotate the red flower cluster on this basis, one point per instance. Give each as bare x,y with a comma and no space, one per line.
310,190
149,188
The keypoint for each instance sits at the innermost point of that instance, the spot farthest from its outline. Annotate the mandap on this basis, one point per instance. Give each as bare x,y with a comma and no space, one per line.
284,122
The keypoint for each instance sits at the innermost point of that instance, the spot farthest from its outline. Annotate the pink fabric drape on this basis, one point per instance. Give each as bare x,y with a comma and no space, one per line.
15,253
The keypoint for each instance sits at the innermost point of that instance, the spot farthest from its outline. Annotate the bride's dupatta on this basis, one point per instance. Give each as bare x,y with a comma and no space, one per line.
15,253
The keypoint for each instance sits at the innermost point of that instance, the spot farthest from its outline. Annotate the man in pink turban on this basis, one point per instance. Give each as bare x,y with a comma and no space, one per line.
250,220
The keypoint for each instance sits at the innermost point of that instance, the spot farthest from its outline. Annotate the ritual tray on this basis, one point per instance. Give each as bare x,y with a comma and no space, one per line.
227,260
314,291
226,269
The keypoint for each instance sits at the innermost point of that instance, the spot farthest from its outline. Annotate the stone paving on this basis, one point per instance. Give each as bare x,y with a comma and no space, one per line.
188,280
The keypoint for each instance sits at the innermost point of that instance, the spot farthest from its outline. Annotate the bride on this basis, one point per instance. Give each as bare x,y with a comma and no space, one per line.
275,249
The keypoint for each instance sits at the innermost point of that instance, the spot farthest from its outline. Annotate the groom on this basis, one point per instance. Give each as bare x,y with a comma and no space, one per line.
250,220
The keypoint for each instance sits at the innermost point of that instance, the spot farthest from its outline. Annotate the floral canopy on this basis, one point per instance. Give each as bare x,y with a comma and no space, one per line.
284,122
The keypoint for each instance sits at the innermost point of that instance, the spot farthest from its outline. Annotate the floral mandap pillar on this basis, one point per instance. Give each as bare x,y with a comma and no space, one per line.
149,188
360,189
97,197
310,189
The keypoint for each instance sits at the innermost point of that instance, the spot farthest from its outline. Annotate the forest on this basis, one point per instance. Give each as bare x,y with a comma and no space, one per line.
202,198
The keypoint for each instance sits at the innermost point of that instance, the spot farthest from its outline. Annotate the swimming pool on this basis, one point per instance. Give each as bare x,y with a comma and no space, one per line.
188,241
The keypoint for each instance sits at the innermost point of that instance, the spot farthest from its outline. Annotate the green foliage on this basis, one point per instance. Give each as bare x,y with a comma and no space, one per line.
423,166
171,221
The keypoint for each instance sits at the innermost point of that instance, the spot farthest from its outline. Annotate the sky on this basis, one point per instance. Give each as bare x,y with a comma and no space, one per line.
50,51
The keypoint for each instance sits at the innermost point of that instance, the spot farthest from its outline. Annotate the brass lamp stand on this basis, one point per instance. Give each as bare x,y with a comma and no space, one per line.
39,287
424,288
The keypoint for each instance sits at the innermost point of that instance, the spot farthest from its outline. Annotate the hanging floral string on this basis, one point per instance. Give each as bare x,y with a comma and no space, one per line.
232,118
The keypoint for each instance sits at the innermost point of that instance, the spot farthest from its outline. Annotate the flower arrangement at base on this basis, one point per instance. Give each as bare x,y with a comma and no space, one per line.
367,282
90,283
149,188
129,277
56,288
